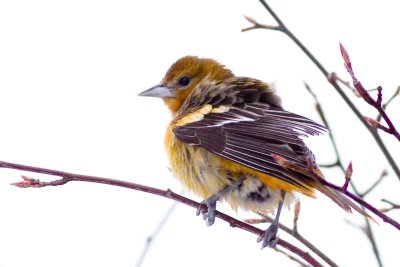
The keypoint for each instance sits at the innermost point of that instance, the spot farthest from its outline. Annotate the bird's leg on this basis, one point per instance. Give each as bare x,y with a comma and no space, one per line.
269,238
211,201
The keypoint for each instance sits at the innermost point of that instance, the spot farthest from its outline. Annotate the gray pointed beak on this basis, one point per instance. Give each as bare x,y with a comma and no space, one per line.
157,91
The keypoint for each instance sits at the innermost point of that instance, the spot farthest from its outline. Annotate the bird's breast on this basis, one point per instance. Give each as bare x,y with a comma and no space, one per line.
198,170
204,174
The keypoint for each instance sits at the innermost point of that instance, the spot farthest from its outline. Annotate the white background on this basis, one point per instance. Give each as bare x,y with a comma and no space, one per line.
70,72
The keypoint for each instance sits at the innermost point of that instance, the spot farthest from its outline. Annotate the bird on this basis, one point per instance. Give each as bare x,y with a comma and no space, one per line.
228,137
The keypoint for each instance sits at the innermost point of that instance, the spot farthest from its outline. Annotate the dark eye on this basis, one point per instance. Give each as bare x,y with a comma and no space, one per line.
185,80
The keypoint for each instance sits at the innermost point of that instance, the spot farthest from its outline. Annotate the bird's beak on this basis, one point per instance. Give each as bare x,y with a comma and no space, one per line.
158,91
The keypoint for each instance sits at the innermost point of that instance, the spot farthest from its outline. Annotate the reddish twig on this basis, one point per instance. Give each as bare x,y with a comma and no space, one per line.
282,27
384,106
257,25
393,205
377,104
333,77
69,177
347,176
338,162
375,124
291,257
309,171
293,232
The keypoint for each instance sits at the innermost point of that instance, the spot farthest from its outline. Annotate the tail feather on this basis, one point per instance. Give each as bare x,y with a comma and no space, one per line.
341,200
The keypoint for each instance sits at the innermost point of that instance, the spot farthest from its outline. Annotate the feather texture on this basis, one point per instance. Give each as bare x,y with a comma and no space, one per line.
249,130
225,127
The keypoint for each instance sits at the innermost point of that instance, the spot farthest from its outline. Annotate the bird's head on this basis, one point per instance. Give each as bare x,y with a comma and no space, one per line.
183,77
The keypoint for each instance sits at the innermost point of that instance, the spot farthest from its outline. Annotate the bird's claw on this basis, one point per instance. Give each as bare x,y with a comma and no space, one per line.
269,238
211,201
209,215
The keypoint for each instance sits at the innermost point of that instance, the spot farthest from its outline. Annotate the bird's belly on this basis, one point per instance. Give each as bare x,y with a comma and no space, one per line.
255,196
201,172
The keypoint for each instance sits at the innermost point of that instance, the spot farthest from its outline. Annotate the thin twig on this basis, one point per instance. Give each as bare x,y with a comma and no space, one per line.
257,25
384,106
69,177
343,189
330,165
377,104
335,85
374,185
338,89
302,264
321,114
393,205
297,235
150,239
338,162
333,77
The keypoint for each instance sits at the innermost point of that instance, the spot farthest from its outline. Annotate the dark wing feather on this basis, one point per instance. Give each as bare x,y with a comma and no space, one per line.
249,130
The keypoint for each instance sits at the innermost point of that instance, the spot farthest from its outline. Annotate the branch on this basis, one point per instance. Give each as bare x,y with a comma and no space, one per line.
335,85
392,204
302,264
150,239
321,114
257,25
333,77
338,162
375,184
294,233
310,172
338,89
69,177
384,106
377,104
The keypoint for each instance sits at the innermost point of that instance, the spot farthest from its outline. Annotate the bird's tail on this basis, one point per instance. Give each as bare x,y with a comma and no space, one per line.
340,199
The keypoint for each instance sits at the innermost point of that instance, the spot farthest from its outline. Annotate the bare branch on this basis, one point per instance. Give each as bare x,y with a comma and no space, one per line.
335,85
393,205
257,25
70,177
377,104
295,234
150,239
374,185
338,89
347,176
292,166
333,77
339,163
384,106
302,264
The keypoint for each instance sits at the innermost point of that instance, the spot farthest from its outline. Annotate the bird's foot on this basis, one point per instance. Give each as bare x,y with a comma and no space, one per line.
269,238
211,202
209,215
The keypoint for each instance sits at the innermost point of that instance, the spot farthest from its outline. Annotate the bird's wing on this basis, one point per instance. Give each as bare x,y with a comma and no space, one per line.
246,127
242,120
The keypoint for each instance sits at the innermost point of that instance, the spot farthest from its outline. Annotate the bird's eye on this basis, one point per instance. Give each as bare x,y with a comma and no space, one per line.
185,80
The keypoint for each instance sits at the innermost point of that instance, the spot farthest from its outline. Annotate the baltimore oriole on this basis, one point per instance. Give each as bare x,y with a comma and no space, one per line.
223,135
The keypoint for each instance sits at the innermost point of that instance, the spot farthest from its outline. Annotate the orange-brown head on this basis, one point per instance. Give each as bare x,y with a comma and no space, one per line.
183,76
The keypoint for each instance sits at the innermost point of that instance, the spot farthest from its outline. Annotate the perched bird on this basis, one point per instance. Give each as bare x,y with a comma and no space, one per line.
224,136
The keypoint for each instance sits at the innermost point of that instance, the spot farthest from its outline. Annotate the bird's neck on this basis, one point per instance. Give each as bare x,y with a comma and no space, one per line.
174,104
